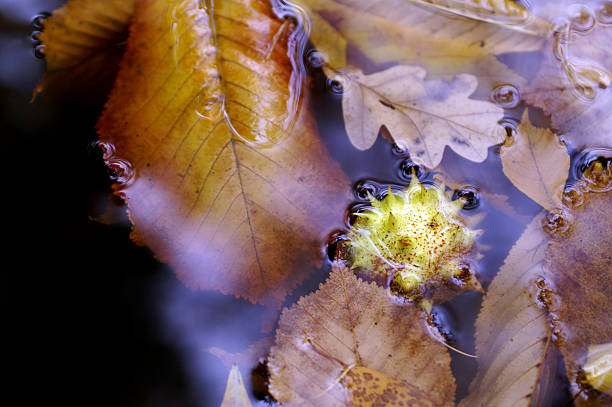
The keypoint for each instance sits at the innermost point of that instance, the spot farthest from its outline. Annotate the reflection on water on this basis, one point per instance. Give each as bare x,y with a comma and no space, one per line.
179,324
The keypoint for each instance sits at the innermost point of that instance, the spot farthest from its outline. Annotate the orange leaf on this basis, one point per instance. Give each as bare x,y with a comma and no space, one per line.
223,178
83,43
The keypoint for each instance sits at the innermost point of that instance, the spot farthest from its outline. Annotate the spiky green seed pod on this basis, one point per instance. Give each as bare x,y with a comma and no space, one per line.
417,241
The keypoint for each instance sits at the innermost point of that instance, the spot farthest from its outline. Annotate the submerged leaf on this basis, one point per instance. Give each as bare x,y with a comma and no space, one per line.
579,272
537,163
400,32
83,43
235,393
349,323
574,82
200,130
512,332
422,116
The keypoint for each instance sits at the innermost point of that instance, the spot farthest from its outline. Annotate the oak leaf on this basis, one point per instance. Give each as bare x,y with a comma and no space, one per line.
574,82
346,324
537,163
512,331
83,43
579,274
422,116
224,176
235,392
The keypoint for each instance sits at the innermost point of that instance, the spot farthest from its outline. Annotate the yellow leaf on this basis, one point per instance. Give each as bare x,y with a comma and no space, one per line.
537,163
224,176
83,43
368,387
422,116
349,323
235,393
512,333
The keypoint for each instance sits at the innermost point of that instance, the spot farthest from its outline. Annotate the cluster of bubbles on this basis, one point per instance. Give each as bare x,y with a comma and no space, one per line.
593,171
37,28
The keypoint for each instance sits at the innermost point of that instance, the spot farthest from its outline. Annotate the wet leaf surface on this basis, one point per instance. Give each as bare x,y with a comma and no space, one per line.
580,277
82,43
351,323
200,131
537,163
422,116
512,332
574,82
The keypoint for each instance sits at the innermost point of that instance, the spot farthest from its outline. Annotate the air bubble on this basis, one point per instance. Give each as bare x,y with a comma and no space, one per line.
39,19
511,126
314,59
557,223
398,151
334,239
334,86
507,96
583,20
35,37
594,168
604,13
406,168
573,197
470,197
39,51
364,188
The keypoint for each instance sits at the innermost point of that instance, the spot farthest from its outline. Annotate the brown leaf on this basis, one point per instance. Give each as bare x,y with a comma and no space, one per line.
349,323
579,273
512,333
422,116
235,392
83,43
537,163
574,82
367,387
219,181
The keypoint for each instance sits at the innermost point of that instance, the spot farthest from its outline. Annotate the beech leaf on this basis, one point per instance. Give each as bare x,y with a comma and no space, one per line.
346,324
422,116
512,332
83,43
225,178
235,392
580,278
537,163
574,82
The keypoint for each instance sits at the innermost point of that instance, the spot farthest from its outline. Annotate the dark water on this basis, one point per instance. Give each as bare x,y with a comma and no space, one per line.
83,289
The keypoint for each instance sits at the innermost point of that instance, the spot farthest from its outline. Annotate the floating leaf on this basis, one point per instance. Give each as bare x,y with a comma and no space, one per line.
367,387
235,393
400,32
579,273
537,163
349,323
219,181
512,333
574,82
422,116
83,43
